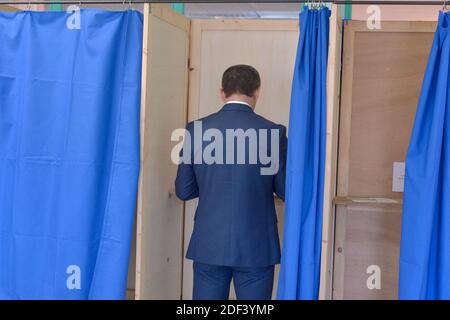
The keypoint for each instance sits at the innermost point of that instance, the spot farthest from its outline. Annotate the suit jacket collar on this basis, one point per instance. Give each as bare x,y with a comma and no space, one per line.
236,107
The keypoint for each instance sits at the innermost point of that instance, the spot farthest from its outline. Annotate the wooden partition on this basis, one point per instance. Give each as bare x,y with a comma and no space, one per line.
163,109
381,81
333,102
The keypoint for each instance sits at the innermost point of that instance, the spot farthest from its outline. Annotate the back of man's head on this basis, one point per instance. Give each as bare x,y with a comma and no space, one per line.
240,79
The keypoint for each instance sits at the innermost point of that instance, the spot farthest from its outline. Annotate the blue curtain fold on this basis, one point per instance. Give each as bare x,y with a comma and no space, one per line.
300,261
69,152
425,241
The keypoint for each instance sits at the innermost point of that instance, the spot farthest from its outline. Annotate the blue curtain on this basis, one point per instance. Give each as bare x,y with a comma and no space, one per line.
69,152
300,261
425,241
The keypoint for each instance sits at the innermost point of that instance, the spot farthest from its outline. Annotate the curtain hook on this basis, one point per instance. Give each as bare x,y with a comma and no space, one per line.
129,5
444,6
29,5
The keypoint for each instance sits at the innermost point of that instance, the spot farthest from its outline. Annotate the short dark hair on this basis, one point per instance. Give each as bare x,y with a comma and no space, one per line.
241,79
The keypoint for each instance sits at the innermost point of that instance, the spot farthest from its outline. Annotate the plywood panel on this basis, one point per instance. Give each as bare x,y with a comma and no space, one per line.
268,45
369,236
382,77
164,107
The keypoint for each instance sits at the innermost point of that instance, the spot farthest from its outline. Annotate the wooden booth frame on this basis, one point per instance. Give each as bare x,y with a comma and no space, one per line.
390,202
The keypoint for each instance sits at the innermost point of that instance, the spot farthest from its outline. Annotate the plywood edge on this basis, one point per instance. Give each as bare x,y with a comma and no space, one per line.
333,88
164,12
395,26
247,24
144,99
339,259
186,104
7,8
368,201
345,108
194,69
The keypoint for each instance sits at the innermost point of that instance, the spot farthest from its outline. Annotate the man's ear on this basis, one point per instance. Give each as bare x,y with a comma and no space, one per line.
222,95
256,93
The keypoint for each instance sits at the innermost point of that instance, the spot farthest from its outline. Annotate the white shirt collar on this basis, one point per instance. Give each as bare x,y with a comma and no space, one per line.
240,102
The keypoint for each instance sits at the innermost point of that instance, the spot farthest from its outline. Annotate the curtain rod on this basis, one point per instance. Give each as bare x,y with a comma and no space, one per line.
121,2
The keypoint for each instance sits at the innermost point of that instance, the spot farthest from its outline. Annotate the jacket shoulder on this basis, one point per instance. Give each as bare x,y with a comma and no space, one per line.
190,125
270,124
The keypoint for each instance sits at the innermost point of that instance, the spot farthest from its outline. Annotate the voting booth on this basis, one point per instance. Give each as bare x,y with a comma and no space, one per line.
183,61
382,74
182,67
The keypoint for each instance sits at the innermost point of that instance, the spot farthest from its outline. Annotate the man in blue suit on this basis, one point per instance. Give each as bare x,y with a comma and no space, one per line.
234,161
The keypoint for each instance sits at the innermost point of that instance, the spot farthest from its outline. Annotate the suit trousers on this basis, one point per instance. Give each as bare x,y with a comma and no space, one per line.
212,282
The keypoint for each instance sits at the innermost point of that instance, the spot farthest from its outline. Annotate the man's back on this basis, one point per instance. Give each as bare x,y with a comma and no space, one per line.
235,180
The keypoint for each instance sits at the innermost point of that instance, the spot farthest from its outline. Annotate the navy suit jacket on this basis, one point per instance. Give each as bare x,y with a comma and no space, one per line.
235,222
